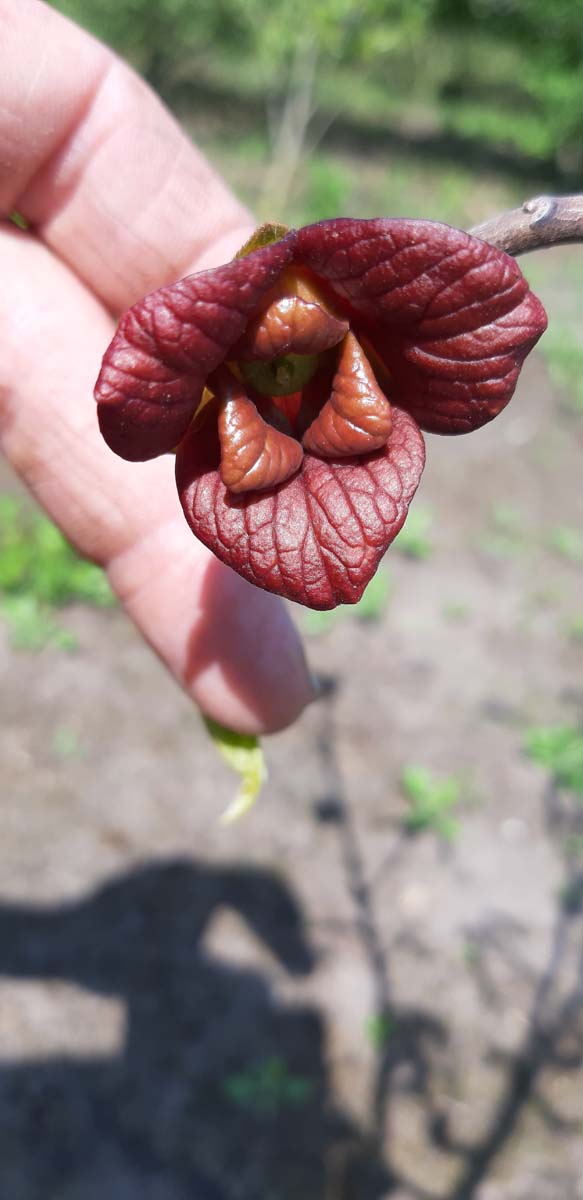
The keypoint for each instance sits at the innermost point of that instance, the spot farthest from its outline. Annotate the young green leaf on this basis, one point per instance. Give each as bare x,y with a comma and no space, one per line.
243,753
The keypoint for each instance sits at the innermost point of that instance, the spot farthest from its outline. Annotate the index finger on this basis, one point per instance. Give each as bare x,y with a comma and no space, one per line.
99,167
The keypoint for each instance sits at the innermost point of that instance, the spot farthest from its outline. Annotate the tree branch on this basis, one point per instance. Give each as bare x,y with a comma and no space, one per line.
541,222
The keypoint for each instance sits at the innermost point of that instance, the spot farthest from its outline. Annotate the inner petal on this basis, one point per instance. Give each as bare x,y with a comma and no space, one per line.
356,418
254,455
291,325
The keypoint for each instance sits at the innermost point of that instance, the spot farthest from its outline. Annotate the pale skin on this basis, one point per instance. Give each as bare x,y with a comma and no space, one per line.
120,202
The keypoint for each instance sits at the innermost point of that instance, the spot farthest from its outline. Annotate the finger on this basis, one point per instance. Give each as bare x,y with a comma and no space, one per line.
230,645
93,159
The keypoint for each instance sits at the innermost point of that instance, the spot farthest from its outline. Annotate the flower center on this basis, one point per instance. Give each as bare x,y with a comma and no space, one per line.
298,381
281,376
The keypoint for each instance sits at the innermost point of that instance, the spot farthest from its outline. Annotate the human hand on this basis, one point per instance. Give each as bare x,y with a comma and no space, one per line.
119,203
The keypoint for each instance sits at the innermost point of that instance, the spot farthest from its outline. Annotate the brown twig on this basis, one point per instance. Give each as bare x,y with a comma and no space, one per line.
541,222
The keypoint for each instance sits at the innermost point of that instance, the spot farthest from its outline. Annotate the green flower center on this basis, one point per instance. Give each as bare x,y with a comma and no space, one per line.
280,376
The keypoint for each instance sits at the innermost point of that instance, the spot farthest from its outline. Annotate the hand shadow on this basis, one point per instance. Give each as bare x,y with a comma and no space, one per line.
220,1091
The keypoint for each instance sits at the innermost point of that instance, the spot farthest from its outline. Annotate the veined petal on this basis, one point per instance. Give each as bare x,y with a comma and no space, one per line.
452,317
317,539
155,369
290,325
357,416
254,455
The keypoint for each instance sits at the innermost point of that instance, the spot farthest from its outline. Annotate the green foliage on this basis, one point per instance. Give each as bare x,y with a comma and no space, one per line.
505,538
563,352
567,542
380,1028
503,75
456,610
268,1088
31,626
325,192
559,749
66,742
432,802
370,607
243,753
18,220
40,571
413,541
37,561
574,628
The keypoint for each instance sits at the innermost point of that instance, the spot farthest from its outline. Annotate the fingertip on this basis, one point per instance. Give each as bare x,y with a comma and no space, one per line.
247,667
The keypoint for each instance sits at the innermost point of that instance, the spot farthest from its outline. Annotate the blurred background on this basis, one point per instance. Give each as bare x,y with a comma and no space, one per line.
372,987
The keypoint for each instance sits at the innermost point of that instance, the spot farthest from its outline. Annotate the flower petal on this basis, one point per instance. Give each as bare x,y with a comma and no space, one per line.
154,371
452,317
290,325
357,417
318,538
254,455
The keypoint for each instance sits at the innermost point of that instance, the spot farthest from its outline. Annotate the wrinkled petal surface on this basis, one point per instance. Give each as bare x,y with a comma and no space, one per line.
317,540
154,371
254,455
452,317
291,325
357,417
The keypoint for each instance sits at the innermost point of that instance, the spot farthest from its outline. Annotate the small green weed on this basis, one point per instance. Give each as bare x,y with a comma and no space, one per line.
559,749
66,742
574,628
36,560
567,542
31,626
413,540
267,1088
380,1028
370,607
563,352
456,610
470,953
432,802
327,186
573,846
505,538
40,571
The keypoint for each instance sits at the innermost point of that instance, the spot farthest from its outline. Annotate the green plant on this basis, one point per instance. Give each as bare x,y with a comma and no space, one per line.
432,802
370,607
413,541
564,356
567,542
574,628
31,626
456,610
66,742
505,538
267,1088
36,560
380,1028
326,189
559,749
243,753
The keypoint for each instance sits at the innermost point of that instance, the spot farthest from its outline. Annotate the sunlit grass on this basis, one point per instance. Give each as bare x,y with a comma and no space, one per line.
40,572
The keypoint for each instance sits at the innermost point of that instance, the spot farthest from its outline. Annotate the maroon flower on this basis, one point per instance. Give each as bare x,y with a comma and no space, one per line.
295,381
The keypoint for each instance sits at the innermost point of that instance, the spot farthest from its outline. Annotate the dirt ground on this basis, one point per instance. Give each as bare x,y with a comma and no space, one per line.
310,1005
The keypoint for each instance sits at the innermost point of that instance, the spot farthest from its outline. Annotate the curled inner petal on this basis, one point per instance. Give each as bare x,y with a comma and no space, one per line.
291,325
280,376
356,419
254,455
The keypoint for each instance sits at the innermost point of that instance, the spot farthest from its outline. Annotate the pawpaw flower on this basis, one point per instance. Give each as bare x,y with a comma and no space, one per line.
294,382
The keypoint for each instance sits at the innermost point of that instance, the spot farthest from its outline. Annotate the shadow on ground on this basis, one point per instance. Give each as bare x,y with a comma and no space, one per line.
219,1091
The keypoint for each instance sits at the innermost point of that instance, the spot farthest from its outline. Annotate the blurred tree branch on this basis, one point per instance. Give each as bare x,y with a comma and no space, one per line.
541,222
